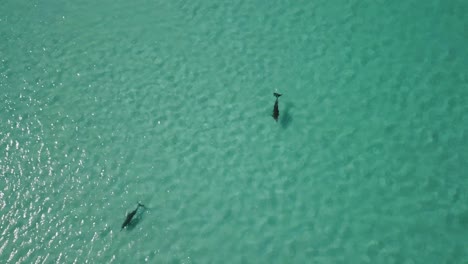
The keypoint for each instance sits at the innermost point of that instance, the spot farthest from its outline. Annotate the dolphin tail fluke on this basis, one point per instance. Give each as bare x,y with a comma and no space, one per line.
141,205
277,94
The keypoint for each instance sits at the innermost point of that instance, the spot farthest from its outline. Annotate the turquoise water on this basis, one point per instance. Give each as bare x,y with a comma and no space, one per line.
107,103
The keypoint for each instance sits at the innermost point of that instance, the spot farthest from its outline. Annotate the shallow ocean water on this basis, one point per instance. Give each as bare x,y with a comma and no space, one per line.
169,103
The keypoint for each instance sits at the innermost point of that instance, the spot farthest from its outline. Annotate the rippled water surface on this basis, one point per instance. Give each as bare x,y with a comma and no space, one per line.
107,103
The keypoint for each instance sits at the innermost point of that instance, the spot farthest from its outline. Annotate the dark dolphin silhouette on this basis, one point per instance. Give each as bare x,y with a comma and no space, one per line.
275,107
130,216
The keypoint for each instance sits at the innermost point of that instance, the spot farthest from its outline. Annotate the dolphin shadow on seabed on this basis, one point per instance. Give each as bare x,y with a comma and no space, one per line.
286,118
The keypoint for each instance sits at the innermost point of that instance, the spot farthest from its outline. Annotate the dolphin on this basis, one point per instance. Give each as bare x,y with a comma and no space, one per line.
275,108
130,216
